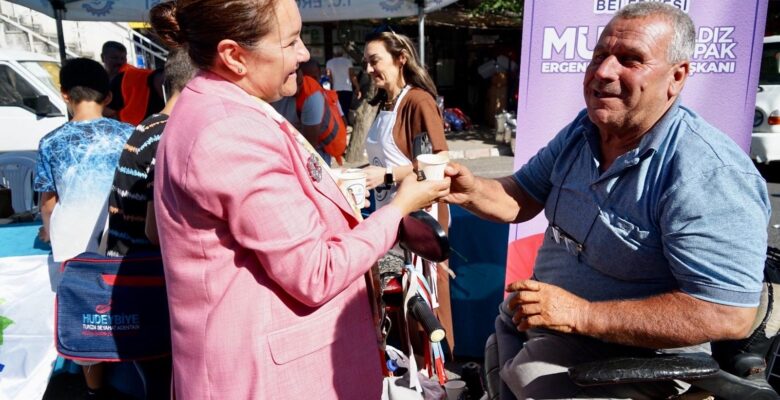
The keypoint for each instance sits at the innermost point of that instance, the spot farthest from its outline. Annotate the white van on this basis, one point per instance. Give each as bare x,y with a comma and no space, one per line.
30,102
765,142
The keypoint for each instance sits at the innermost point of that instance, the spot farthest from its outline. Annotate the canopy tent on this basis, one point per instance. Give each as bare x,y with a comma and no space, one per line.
311,11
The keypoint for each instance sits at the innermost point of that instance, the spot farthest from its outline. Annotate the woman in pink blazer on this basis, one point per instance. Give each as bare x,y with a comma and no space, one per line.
264,256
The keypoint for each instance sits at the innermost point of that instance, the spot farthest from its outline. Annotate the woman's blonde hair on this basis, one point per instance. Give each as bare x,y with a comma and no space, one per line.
414,74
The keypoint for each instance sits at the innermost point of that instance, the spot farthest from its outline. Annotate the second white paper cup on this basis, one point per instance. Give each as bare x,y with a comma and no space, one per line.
455,389
354,184
433,165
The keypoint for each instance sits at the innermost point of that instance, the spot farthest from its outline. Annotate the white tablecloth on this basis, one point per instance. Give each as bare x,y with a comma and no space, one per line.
27,350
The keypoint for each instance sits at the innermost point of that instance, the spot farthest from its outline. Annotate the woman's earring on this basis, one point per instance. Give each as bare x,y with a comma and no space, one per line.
240,70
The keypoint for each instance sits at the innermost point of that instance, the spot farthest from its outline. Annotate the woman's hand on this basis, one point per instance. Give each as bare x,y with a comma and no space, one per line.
414,195
375,176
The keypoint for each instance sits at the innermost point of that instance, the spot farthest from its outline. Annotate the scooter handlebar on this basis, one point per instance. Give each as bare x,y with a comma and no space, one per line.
424,315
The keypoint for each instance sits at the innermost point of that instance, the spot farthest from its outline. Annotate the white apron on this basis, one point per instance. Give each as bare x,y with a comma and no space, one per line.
382,150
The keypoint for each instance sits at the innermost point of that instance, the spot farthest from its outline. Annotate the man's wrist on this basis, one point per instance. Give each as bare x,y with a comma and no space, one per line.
583,325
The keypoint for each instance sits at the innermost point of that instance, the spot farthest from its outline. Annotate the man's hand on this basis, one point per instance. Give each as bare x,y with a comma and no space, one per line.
540,305
463,184
498,200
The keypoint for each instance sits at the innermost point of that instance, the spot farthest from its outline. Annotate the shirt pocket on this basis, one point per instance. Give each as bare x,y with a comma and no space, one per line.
623,250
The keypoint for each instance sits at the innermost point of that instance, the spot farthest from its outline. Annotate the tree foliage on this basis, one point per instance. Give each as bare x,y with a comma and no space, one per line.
499,7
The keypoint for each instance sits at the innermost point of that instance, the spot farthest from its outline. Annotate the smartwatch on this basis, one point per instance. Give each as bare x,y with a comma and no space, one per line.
389,181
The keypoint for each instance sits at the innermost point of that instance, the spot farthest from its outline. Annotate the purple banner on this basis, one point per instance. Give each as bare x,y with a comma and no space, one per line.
558,41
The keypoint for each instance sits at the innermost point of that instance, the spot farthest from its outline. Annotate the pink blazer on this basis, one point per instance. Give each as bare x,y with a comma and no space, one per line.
264,264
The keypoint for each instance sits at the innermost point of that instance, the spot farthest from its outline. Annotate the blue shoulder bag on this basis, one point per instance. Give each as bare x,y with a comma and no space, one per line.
112,308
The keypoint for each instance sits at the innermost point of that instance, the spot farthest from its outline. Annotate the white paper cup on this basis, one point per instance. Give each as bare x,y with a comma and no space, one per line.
336,173
433,165
353,184
455,389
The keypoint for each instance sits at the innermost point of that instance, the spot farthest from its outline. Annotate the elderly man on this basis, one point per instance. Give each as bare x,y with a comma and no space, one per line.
657,220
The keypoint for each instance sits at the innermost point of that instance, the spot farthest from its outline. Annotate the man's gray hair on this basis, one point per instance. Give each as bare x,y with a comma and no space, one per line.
684,39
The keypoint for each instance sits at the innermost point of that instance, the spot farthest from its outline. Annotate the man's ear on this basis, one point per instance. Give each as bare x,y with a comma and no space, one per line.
680,73
231,57
65,96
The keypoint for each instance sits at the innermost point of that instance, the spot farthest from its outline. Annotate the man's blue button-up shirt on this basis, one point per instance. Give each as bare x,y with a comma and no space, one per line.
685,210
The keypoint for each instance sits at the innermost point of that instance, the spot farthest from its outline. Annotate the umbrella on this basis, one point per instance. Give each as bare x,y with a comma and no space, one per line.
311,11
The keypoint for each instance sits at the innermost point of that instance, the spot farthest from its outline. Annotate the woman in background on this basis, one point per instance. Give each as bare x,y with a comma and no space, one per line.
264,256
408,119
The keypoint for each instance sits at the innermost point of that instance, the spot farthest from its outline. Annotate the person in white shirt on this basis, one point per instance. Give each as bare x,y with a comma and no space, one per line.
342,78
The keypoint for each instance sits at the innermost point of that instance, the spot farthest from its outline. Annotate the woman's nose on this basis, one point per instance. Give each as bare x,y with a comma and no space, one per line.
304,54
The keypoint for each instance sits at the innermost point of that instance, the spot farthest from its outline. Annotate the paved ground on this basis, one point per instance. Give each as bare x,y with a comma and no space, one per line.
476,143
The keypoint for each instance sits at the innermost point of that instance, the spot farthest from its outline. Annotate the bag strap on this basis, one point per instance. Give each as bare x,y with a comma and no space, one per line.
103,242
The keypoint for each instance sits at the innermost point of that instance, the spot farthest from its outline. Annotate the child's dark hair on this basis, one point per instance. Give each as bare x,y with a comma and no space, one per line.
83,79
